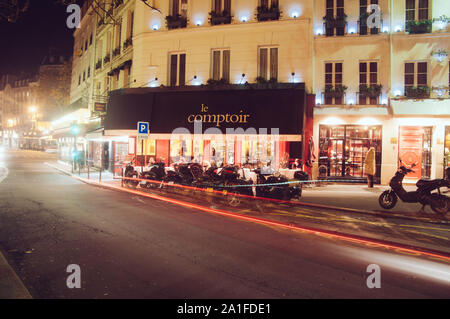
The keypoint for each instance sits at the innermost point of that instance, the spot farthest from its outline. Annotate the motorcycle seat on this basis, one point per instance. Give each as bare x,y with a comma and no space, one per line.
429,183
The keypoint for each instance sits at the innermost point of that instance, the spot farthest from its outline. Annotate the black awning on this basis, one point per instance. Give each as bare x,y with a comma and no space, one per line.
167,110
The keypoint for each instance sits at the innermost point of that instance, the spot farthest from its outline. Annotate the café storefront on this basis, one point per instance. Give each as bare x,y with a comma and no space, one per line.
240,126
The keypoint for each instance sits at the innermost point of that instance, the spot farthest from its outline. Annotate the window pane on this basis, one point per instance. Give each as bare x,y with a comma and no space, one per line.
182,80
216,65
173,69
410,4
338,68
422,67
422,79
363,78
363,67
263,63
338,78
373,66
328,67
274,63
226,65
409,79
373,78
409,67
329,78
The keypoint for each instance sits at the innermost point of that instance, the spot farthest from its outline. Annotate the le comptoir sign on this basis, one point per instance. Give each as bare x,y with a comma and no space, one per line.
218,119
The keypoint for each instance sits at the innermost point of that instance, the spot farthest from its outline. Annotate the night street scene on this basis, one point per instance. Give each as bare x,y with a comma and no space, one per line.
219,158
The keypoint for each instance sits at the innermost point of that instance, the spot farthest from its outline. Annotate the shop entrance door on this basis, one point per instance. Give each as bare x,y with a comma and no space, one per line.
410,149
336,157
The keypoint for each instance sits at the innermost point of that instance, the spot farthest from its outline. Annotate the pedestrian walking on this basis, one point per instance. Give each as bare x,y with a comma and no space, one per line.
369,166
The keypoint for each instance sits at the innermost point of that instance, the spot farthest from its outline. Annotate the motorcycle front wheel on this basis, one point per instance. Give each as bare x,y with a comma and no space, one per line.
387,199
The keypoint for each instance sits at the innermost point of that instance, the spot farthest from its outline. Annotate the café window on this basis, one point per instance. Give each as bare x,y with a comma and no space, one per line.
148,147
221,65
343,149
177,72
268,63
180,151
256,153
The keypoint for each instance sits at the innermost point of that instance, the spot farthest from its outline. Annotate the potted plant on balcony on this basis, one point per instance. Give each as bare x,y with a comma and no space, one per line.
417,27
372,91
220,18
176,21
265,13
418,92
329,21
106,59
98,65
336,92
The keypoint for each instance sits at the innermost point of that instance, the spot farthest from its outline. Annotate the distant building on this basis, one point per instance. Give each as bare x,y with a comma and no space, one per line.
29,102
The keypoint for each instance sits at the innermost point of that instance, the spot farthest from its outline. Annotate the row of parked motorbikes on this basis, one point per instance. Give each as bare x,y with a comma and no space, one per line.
227,178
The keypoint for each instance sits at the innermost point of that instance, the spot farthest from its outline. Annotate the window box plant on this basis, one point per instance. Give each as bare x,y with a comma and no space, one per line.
176,21
417,27
371,90
266,14
417,92
220,18
337,91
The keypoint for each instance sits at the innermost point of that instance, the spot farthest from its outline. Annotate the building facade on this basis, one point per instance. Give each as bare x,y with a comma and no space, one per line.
378,82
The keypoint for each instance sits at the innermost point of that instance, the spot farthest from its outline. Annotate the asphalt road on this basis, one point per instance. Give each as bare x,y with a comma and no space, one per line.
132,247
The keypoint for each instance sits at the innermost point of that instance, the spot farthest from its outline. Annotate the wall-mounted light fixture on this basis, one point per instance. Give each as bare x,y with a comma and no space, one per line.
155,27
294,14
244,18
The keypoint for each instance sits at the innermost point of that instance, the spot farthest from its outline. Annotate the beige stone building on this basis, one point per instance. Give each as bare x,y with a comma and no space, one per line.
376,83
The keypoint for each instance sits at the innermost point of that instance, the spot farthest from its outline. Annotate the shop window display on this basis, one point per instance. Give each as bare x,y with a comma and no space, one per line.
343,149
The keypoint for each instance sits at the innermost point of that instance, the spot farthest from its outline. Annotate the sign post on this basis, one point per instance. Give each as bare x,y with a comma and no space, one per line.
143,131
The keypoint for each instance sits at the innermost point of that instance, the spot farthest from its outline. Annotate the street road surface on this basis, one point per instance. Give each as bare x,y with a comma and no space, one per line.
132,247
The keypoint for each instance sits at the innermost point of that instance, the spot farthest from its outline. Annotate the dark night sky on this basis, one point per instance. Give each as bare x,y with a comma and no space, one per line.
27,41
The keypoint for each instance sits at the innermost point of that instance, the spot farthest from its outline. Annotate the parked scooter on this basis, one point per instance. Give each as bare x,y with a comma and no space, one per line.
282,191
156,173
428,192
130,172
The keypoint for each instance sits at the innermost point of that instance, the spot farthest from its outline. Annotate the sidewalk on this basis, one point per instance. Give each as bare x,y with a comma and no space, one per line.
11,287
352,196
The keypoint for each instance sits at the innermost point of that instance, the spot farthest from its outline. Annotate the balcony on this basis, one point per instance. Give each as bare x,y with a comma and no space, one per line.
106,59
220,18
176,22
419,92
268,14
128,43
364,29
116,52
419,27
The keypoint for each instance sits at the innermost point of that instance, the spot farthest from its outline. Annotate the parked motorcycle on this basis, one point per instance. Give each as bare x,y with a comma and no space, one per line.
130,172
428,192
156,173
184,174
282,191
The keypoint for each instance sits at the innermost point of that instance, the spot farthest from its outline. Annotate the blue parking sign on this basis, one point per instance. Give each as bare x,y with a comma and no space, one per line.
143,128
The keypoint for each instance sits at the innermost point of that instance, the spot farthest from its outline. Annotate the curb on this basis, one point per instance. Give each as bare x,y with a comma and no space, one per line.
342,236
11,287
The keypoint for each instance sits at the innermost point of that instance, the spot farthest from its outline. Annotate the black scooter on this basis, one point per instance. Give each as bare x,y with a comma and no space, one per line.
130,172
425,193
156,173
283,191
